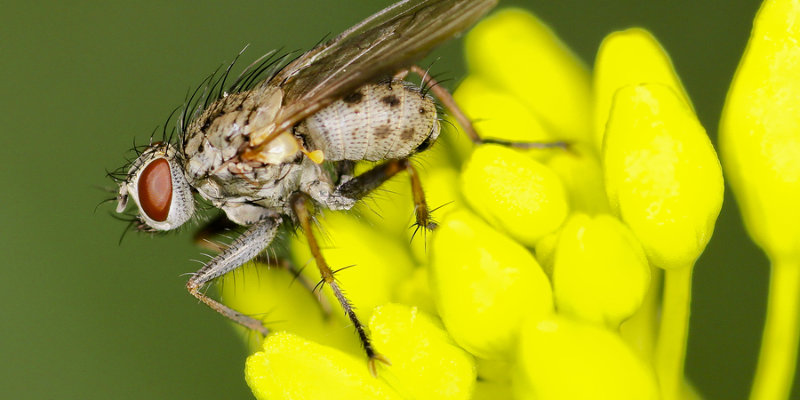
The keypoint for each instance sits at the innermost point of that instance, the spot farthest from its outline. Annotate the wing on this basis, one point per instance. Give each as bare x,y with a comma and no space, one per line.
383,44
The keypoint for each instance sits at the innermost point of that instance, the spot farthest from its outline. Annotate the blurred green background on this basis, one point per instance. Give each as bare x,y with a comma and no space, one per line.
85,318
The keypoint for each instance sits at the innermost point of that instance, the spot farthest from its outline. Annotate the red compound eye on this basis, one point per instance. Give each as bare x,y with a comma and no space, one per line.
155,190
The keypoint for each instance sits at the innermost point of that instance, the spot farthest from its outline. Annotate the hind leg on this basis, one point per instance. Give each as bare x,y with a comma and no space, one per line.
448,102
361,185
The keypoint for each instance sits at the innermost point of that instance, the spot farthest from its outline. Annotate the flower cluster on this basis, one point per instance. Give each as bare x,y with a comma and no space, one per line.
543,277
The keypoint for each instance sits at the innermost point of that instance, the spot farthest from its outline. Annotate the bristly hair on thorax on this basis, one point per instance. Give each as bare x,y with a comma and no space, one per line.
213,88
210,89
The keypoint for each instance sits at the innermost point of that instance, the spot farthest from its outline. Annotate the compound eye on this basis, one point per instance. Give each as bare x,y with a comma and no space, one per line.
155,190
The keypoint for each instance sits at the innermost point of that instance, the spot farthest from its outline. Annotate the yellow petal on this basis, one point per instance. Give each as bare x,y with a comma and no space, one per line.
662,174
515,193
484,284
426,363
562,359
629,57
760,130
516,52
291,367
601,273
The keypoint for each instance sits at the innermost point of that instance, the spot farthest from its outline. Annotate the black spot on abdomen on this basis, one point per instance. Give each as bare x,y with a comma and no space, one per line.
391,100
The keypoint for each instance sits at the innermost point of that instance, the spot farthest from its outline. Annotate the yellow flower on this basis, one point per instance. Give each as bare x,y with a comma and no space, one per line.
541,257
660,172
760,140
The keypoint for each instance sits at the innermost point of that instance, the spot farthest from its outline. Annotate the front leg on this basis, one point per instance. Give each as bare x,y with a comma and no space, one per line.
221,225
246,247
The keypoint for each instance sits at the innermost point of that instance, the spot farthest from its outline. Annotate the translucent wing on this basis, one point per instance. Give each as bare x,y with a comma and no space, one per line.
384,43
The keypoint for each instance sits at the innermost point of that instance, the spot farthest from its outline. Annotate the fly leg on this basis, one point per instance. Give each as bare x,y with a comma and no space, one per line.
221,224
246,247
447,100
361,185
300,207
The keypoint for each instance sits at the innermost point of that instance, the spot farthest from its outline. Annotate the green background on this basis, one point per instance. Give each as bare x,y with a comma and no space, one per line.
85,318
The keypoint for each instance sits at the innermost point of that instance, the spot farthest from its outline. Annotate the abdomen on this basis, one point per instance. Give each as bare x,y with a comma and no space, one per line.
376,122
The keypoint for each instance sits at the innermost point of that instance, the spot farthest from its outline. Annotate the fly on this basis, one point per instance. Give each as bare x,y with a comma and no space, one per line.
256,151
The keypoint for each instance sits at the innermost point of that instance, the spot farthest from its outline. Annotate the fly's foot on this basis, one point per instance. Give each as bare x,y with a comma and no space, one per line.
426,225
425,219
373,369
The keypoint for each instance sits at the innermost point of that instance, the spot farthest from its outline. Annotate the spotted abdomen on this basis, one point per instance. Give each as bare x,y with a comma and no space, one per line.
376,122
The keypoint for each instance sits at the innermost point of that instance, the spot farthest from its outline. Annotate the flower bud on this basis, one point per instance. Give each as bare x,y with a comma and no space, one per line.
629,57
663,178
290,367
426,363
484,283
516,52
600,273
497,114
563,359
760,131
514,193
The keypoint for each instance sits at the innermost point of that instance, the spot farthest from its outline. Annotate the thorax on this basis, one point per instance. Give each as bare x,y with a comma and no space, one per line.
215,138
